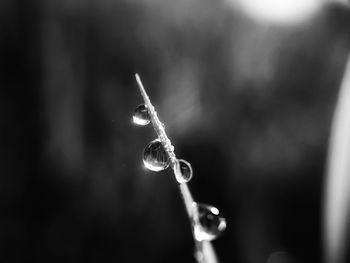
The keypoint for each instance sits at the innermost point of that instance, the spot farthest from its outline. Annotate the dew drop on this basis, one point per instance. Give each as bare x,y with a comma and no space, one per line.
208,224
183,171
155,157
141,115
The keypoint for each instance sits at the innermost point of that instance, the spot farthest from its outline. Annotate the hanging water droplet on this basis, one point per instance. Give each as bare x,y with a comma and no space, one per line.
208,224
141,115
183,171
155,157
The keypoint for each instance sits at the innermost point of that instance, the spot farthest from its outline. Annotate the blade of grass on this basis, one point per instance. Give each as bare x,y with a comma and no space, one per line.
205,252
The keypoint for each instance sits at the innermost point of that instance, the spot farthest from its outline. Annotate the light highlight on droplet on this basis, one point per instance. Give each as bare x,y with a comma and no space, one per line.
183,171
141,115
208,224
155,157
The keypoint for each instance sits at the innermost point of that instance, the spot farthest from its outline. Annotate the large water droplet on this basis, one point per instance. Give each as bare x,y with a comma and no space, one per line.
141,115
155,157
183,171
208,224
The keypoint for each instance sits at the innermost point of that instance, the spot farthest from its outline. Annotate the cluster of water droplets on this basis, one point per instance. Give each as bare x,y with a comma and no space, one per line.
207,223
156,154
206,220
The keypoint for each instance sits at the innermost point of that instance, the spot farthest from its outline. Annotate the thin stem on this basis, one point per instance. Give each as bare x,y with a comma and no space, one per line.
205,252
159,128
157,124
188,199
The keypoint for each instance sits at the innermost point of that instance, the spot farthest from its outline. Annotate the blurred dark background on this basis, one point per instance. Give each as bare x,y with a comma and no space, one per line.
248,103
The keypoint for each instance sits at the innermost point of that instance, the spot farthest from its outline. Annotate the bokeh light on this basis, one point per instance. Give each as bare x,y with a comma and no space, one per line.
278,11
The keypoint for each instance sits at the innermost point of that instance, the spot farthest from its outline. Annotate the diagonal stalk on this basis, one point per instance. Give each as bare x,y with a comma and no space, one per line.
205,252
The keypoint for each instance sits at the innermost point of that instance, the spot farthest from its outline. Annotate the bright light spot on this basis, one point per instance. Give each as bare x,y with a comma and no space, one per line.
278,11
214,210
337,199
222,225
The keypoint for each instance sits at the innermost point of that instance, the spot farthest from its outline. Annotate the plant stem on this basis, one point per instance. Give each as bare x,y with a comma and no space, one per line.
205,252
157,125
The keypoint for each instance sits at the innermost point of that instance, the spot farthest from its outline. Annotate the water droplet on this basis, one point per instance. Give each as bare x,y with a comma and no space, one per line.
183,171
141,115
208,224
155,157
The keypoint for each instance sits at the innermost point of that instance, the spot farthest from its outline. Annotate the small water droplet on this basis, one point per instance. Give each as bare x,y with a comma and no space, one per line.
208,224
141,115
183,171
155,157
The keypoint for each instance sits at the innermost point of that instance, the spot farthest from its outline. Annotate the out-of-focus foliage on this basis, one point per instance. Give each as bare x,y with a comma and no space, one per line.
249,105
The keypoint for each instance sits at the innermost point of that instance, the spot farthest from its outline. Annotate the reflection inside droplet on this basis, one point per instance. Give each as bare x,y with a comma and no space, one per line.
208,224
141,115
183,171
155,157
